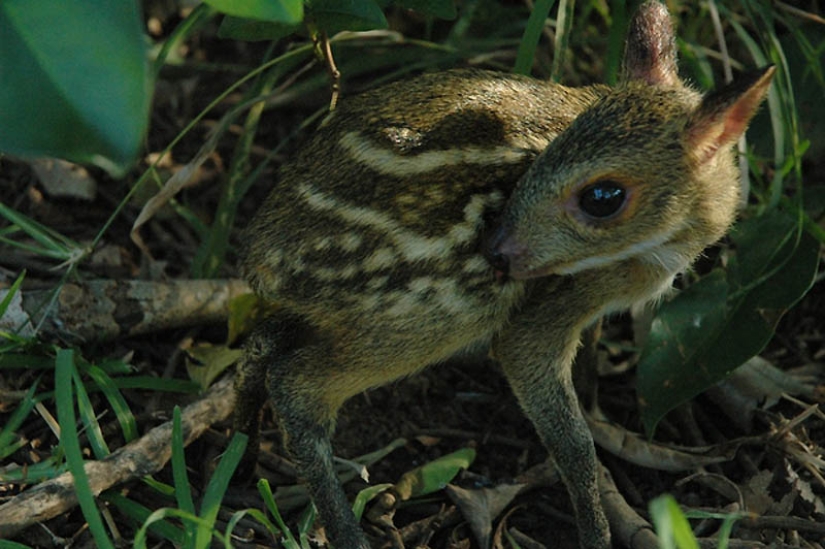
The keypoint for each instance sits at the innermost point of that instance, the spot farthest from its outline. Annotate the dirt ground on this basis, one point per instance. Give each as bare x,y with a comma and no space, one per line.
465,402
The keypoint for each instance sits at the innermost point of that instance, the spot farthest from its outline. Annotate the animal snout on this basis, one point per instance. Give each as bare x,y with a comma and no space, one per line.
502,250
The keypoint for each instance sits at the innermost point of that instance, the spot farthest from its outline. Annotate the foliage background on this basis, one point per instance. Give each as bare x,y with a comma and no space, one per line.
211,135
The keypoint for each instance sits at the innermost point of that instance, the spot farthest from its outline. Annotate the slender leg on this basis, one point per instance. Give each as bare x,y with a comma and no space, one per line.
307,422
284,361
585,367
536,351
251,393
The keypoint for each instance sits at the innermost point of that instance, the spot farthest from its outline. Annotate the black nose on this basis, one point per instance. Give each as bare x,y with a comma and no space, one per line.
499,261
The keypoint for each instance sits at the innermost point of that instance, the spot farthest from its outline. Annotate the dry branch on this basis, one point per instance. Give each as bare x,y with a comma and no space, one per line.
104,309
144,456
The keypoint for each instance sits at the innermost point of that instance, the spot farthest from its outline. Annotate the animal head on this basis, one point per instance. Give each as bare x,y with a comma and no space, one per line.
646,172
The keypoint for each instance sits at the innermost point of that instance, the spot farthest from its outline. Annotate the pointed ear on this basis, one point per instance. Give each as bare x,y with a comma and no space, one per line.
723,115
650,55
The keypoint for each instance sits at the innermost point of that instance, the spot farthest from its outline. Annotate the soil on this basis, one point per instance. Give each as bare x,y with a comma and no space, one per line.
465,402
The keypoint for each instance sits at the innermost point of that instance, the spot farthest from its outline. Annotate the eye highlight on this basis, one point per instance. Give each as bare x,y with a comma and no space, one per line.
602,199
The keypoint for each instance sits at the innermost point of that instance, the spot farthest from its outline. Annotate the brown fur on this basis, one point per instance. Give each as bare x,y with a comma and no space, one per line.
373,242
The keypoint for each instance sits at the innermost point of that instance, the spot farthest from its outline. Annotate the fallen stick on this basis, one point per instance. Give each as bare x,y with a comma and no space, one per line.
144,456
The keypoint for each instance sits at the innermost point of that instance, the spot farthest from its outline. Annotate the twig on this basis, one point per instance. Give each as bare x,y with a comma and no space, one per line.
141,457
104,309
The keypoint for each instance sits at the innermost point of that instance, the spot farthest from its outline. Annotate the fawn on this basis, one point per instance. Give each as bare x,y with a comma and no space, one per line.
468,207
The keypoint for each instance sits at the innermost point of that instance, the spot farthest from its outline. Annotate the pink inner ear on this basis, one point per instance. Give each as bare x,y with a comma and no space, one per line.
720,127
713,133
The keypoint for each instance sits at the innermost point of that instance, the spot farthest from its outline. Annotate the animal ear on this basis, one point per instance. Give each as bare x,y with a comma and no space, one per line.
723,115
650,54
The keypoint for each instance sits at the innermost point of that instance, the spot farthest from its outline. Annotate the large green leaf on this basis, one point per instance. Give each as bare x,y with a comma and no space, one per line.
288,12
333,16
714,326
75,80
253,30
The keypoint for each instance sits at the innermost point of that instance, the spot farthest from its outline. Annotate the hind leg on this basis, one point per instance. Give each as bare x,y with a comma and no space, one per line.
285,361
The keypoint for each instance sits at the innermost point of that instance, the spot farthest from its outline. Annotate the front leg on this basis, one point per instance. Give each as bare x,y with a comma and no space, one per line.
536,351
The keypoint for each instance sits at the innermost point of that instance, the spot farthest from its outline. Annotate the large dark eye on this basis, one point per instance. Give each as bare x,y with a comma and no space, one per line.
603,199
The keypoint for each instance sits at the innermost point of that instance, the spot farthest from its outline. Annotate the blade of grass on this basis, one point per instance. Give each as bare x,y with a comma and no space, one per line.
11,292
54,244
615,41
532,34
198,17
139,513
298,52
215,490
211,253
164,513
671,525
124,415
563,26
15,420
47,469
269,500
87,416
255,514
183,492
305,523
64,366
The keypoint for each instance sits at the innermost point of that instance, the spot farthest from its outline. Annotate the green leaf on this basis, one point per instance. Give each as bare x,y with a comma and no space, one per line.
251,30
12,545
670,523
365,496
332,16
289,12
681,329
435,475
76,81
714,326
212,361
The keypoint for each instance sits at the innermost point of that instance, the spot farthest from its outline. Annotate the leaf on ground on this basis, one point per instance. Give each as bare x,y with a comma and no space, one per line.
205,362
434,475
365,496
759,385
755,493
482,506
62,178
245,312
177,182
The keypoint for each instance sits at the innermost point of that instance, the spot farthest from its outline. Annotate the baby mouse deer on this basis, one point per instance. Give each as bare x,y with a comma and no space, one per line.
467,207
